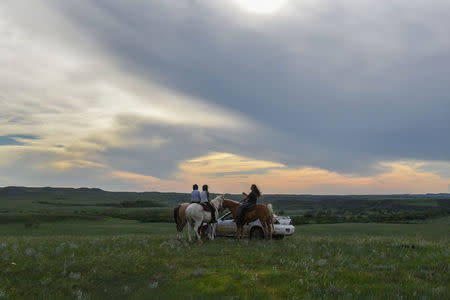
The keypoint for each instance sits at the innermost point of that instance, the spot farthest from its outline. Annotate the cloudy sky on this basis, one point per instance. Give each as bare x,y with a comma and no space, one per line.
304,96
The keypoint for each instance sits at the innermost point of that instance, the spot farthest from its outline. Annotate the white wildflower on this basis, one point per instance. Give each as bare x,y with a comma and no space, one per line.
59,249
322,262
78,294
29,251
74,276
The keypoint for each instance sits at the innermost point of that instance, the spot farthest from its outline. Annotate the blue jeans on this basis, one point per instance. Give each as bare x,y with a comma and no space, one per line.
242,208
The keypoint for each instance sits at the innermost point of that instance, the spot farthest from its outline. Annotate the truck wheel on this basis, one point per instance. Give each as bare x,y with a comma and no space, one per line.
257,234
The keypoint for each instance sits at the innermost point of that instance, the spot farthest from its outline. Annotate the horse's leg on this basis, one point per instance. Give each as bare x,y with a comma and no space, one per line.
180,230
196,228
182,226
213,230
264,225
269,227
189,230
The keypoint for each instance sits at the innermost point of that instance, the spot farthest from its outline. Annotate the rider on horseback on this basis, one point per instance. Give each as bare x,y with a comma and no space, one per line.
204,196
195,194
250,200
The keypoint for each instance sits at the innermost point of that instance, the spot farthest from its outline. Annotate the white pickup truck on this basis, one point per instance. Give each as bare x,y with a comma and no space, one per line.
254,230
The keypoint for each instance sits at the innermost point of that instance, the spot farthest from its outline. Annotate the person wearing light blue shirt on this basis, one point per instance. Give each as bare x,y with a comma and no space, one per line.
195,194
204,198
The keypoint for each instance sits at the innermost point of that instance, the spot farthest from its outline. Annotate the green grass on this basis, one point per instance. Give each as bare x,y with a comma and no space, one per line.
116,259
438,229
66,244
105,227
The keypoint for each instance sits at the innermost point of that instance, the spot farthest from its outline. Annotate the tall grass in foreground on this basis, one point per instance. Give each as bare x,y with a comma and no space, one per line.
159,267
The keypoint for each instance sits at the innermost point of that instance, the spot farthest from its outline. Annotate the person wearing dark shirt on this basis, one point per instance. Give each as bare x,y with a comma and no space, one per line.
249,200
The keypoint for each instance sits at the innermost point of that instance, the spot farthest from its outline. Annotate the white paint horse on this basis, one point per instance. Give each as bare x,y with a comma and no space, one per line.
195,216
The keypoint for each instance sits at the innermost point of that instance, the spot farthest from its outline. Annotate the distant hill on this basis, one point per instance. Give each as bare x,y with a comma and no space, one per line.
157,206
84,196
286,201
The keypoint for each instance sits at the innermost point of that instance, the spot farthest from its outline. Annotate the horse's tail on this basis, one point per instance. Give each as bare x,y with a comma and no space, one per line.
269,206
176,215
272,219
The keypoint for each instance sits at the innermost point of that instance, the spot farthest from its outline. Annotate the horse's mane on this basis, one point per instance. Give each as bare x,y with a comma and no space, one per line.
232,201
218,199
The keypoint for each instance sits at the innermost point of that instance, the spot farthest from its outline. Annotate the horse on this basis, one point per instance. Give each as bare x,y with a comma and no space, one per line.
262,212
195,216
179,214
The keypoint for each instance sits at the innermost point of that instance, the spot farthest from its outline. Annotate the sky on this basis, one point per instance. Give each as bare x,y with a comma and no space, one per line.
298,97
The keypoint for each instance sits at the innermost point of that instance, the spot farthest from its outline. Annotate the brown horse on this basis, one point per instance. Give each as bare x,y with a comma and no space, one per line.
179,214
262,212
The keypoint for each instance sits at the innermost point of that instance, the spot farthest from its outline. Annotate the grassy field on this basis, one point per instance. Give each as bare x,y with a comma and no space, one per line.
116,259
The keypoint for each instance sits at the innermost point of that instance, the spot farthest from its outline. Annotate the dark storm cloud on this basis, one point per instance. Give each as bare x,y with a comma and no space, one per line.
344,87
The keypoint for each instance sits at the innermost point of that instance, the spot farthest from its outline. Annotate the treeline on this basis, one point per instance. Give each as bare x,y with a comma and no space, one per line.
157,207
328,216
134,203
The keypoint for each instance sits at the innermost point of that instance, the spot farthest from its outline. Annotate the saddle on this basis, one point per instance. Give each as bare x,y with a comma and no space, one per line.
250,208
205,207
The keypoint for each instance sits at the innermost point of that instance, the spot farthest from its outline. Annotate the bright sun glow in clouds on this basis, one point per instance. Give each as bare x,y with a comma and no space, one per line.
260,6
